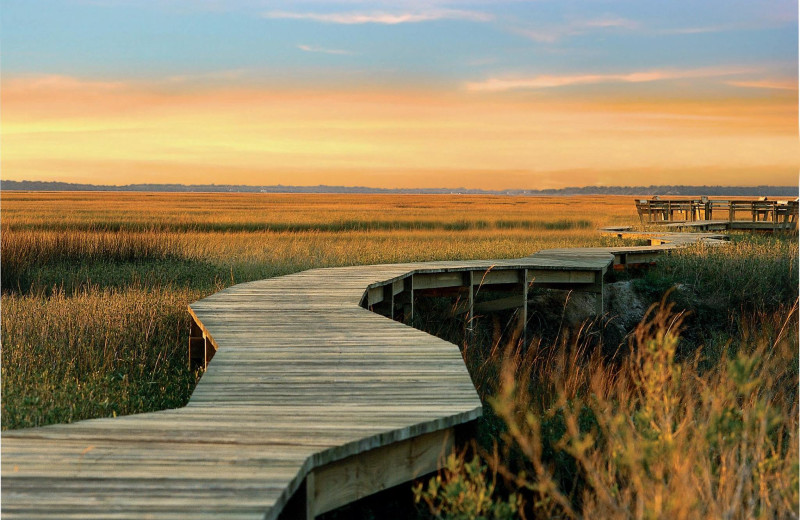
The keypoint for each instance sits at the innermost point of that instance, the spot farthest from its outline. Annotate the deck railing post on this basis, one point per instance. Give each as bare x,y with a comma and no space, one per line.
411,289
388,298
408,299
525,285
309,491
469,279
598,287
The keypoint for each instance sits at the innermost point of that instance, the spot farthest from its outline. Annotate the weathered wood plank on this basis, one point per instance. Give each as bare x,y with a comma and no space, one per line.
354,478
304,385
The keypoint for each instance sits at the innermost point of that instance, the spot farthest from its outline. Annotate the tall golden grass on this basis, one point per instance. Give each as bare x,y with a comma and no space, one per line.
93,353
78,268
94,323
645,435
290,212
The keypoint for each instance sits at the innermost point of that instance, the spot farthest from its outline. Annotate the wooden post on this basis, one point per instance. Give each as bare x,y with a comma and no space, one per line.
197,346
598,287
524,274
388,297
310,492
408,299
401,301
411,290
469,279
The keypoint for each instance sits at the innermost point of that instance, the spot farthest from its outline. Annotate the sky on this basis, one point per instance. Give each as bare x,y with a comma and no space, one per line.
477,94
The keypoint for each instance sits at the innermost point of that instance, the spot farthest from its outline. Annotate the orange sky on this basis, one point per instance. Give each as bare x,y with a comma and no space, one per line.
61,128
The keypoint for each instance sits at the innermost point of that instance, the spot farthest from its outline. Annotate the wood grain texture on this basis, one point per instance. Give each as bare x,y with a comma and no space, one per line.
302,377
356,477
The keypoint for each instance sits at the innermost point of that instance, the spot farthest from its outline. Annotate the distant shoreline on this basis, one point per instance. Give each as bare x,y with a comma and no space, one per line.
775,191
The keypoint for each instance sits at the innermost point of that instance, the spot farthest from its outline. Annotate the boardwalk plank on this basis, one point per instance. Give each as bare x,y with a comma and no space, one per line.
303,377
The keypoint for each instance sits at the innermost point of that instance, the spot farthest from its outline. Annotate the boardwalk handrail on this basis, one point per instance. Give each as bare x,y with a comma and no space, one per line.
658,210
311,400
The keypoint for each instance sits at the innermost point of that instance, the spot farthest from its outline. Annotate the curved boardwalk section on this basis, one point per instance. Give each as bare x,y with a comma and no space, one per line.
311,401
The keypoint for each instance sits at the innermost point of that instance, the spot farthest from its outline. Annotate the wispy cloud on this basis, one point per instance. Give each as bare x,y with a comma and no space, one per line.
768,84
555,32
552,33
553,81
754,25
705,29
383,17
324,50
760,21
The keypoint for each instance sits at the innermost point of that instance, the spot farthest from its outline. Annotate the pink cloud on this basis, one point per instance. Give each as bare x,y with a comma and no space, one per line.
323,50
552,81
384,18
768,84
553,33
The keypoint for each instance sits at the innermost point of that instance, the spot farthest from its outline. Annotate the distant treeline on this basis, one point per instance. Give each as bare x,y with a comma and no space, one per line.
774,191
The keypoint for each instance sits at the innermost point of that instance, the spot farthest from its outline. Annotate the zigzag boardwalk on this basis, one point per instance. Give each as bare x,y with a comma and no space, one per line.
311,400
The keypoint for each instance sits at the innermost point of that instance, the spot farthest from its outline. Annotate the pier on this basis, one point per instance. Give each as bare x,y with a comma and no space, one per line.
706,214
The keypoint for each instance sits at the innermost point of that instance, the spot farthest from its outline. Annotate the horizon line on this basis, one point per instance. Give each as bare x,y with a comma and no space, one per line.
344,188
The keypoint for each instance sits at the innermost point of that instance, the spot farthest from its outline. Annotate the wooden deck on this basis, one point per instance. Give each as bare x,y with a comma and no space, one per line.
739,225
706,214
309,400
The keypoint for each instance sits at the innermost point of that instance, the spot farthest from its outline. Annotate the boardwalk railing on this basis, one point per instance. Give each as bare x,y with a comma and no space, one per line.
781,214
309,400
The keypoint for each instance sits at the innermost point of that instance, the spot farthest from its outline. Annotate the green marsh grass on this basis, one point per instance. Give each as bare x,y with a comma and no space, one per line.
93,353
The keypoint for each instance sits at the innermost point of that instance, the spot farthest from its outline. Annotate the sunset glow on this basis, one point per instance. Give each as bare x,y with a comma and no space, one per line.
491,125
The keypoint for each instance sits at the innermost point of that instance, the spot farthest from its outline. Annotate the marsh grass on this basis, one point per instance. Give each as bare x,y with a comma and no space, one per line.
701,404
694,416
644,436
731,291
23,251
752,272
93,353
88,274
101,226
300,213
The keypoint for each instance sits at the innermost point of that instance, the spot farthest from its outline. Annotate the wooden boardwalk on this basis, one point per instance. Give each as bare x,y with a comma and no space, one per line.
739,225
706,214
311,400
